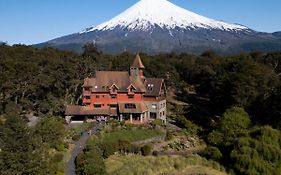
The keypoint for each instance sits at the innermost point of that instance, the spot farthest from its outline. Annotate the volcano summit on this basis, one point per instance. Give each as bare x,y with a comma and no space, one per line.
155,26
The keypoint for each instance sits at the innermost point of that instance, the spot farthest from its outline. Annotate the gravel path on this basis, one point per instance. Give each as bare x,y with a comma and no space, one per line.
79,146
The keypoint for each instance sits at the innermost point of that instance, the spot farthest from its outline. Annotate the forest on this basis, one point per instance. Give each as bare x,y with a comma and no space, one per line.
235,100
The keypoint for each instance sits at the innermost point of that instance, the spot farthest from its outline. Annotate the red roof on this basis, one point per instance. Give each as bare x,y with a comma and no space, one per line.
138,63
103,80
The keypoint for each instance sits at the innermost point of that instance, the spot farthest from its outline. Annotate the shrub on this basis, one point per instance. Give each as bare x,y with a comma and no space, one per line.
76,137
157,122
60,147
146,150
58,157
169,135
212,153
155,153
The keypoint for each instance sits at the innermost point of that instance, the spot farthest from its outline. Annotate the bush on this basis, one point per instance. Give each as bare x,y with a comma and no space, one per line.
157,122
190,127
212,153
169,135
146,150
76,137
58,157
155,153
60,147
90,162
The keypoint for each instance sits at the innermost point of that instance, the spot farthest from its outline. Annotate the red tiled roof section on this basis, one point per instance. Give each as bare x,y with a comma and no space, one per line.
138,63
139,108
105,79
84,110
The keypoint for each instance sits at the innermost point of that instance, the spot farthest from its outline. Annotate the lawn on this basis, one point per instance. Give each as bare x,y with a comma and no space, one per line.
164,165
129,135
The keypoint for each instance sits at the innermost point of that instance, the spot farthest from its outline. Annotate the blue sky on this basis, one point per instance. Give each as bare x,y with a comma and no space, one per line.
35,21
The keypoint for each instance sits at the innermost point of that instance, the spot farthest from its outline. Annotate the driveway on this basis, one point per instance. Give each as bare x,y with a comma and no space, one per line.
79,146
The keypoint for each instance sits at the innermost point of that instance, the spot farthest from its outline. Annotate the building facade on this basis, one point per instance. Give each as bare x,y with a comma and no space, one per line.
126,96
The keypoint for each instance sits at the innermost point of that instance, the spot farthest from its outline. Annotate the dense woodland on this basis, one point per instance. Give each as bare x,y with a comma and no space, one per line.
234,100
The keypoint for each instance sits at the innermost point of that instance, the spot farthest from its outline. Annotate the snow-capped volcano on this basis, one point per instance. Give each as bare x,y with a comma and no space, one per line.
146,14
155,26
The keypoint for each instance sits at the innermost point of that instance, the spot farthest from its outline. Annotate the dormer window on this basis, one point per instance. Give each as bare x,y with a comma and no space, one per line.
114,88
150,87
131,88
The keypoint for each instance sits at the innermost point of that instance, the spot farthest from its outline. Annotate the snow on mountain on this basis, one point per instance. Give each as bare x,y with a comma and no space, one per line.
158,26
147,14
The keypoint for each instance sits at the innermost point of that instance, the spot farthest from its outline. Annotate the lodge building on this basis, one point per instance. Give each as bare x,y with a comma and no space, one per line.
126,96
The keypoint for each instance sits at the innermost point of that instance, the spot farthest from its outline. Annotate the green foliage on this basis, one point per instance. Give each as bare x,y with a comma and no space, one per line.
90,162
21,150
76,137
189,126
109,143
158,122
212,153
52,132
58,157
234,123
151,165
146,150
258,154
169,135
40,80
129,135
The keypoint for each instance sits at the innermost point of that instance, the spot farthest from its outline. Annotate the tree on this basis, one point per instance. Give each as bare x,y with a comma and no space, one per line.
259,154
234,124
21,152
51,130
91,162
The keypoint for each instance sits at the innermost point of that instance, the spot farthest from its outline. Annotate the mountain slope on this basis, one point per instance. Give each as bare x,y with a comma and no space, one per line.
155,26
149,13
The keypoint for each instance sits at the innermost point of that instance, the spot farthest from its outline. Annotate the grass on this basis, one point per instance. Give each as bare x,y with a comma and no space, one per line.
129,135
164,165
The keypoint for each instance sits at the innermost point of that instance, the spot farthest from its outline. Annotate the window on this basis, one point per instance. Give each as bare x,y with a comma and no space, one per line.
163,113
97,105
88,104
97,96
150,87
131,96
130,106
154,106
87,89
113,96
87,97
153,115
113,105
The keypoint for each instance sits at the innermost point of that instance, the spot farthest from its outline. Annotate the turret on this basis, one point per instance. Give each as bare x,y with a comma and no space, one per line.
136,70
